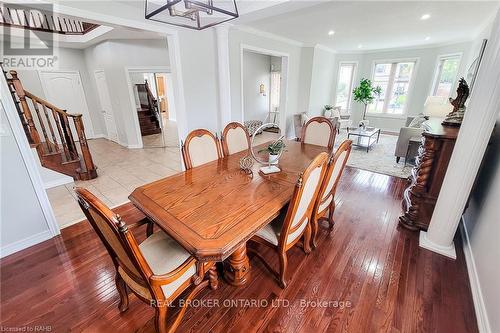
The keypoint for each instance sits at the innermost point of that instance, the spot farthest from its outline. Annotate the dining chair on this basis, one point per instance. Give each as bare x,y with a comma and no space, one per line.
288,228
156,270
319,131
200,147
325,202
235,138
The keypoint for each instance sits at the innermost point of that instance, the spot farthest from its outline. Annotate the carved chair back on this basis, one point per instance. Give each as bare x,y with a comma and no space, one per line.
334,170
235,138
319,131
301,205
200,147
114,234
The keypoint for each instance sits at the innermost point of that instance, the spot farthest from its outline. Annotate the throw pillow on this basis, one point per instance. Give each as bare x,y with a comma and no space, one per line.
304,117
418,121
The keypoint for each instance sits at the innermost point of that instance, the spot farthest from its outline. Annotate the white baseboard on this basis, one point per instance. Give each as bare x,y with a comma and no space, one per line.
425,243
25,243
475,286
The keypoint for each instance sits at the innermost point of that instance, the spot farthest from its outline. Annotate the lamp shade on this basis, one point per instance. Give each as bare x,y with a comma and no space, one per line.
194,14
437,106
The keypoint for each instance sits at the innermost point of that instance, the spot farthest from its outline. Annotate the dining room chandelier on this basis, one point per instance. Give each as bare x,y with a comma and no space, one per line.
193,14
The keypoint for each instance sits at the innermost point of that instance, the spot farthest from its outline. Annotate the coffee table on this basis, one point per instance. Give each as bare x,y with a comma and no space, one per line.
366,137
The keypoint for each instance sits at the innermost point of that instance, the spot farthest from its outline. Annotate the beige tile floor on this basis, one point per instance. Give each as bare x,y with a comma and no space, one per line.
120,170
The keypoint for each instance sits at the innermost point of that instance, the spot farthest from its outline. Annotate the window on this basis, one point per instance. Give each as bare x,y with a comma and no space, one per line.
275,91
446,75
394,78
344,85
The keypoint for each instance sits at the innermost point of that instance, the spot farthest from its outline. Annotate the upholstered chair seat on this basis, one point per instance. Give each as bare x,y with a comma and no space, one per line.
272,231
163,255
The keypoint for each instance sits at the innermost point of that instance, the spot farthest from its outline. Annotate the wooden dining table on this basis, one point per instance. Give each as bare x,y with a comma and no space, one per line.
213,210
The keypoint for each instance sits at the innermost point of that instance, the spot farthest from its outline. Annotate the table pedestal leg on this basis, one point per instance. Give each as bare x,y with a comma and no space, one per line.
237,267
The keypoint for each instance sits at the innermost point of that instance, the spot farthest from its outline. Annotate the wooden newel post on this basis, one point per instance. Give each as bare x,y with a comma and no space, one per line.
87,157
35,137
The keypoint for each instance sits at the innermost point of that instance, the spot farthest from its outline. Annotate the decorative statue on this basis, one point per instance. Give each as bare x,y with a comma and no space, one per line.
455,117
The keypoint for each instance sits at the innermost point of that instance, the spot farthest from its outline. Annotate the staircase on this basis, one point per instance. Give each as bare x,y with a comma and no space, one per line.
57,148
148,113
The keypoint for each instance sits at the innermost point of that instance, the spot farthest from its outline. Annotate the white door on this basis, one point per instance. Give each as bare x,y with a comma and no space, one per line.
65,90
106,109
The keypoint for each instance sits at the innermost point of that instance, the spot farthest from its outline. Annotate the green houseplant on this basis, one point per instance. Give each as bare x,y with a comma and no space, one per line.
366,93
275,149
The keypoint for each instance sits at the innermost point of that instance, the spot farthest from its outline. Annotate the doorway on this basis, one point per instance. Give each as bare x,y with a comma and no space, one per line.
264,76
155,108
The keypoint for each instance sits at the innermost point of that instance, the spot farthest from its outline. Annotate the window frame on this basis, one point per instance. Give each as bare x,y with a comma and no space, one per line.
438,71
411,83
353,79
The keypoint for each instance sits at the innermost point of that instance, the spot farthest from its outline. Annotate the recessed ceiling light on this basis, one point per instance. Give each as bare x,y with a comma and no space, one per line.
331,33
425,17
360,46
427,38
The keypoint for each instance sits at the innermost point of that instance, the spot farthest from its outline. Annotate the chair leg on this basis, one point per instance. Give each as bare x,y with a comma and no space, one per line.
307,239
149,228
121,286
212,275
283,264
161,319
314,232
331,221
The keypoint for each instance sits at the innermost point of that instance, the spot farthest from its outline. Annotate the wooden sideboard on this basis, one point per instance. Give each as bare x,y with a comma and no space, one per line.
427,176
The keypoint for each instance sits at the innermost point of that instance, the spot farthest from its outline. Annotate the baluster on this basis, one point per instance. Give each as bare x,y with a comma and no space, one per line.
61,136
19,111
87,157
51,128
35,137
42,125
68,135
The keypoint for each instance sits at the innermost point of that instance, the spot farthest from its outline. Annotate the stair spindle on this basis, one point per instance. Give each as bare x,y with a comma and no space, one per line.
51,128
42,124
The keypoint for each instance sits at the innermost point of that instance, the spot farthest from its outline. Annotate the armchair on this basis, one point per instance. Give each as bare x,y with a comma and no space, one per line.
343,120
405,133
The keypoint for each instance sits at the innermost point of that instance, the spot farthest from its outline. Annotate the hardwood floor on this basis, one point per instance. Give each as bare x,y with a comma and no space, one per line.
382,280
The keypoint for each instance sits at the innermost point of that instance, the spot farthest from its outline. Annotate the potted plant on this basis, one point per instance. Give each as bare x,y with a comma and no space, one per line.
328,111
365,94
275,149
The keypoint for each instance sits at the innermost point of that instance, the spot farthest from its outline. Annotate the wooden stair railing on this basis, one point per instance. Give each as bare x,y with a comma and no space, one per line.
58,149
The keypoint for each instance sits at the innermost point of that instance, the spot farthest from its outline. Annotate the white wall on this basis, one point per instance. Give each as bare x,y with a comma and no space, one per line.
256,71
114,57
422,80
22,222
322,78
482,222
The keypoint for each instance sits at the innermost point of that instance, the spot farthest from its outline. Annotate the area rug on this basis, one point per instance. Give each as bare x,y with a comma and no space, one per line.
379,159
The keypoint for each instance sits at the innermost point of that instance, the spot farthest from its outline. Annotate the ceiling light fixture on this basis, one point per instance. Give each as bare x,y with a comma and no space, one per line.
427,38
193,14
425,17
331,33
360,46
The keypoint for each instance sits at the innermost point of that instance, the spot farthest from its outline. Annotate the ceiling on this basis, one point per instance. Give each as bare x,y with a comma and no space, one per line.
361,26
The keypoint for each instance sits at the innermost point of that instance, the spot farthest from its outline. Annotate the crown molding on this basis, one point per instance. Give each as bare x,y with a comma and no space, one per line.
269,35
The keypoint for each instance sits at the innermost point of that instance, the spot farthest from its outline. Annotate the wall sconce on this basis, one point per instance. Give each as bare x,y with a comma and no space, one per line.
262,89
